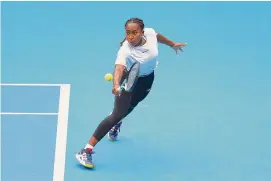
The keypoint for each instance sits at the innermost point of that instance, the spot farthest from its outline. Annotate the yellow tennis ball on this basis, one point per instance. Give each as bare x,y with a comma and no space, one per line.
108,77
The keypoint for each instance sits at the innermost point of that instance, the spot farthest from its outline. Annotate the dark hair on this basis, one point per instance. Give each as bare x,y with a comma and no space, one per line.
134,20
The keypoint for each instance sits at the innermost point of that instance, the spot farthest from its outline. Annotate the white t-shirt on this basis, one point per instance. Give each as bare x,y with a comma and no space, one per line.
146,54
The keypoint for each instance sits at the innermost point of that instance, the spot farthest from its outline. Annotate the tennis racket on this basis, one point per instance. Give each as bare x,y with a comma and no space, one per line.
131,79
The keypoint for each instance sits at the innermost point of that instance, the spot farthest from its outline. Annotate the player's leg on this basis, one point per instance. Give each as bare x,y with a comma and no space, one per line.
120,111
124,105
142,90
121,106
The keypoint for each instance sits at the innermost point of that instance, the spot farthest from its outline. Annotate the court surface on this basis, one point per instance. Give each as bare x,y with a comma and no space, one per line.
207,117
34,120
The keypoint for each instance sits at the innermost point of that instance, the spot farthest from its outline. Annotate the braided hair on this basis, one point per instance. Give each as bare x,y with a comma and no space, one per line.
134,20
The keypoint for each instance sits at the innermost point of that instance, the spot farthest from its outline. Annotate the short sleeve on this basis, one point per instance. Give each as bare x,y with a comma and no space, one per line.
121,57
150,31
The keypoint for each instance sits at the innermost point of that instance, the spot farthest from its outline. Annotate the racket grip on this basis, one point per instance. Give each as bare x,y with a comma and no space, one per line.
121,88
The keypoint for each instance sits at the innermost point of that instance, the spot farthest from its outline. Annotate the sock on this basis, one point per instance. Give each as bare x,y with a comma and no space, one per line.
88,147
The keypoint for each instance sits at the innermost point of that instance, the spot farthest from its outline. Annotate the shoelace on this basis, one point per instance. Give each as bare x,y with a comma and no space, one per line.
88,155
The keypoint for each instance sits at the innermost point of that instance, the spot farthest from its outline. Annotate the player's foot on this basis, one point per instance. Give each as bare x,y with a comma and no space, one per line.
85,158
113,133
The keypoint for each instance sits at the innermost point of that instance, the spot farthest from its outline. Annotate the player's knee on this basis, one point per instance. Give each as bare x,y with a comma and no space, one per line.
116,116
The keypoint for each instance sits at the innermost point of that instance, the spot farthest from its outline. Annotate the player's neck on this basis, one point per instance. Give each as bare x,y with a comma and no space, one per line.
141,42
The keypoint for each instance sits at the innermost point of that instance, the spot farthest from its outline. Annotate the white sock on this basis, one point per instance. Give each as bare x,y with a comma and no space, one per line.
88,146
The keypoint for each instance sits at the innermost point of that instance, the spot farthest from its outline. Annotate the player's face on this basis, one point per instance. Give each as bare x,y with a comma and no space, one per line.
133,33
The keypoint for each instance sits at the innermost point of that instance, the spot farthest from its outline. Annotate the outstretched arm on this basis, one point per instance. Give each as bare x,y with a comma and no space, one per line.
162,39
176,46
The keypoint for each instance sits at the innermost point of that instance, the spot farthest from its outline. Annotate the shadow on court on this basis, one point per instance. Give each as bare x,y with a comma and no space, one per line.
133,156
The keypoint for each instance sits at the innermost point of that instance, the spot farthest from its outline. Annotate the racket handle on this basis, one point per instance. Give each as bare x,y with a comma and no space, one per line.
121,88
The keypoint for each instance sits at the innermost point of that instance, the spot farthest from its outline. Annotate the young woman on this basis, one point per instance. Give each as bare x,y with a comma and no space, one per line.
141,45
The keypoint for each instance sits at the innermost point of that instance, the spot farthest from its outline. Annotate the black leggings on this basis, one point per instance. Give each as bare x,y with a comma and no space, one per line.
124,105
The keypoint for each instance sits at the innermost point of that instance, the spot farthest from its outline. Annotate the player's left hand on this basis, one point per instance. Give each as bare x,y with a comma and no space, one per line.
178,46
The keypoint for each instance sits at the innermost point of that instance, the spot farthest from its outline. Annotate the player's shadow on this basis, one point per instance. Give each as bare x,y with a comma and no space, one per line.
135,155
84,168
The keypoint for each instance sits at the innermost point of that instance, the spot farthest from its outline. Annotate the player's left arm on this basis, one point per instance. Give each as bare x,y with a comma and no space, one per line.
164,40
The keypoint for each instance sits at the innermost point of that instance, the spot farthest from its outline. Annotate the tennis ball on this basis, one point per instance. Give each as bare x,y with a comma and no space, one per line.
108,77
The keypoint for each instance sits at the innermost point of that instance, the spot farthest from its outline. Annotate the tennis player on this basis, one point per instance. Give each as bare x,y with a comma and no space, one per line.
140,44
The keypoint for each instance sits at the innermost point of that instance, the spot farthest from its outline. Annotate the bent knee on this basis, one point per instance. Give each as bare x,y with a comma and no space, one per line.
116,116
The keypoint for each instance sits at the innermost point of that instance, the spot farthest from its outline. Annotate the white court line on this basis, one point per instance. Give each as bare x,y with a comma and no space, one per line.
26,113
61,137
62,126
35,85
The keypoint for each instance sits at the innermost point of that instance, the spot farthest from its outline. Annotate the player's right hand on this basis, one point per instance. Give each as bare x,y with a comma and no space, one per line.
116,90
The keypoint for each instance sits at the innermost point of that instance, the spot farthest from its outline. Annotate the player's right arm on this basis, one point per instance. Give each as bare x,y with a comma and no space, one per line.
120,66
118,73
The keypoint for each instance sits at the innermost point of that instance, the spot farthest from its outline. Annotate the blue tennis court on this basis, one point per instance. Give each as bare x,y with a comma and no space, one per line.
34,120
28,147
207,117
